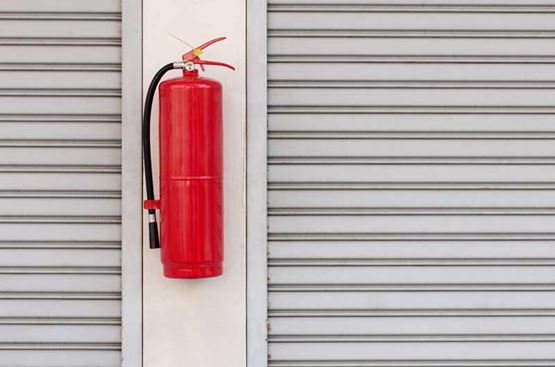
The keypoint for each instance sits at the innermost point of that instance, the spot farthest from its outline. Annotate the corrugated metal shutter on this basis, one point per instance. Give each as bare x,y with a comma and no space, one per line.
411,183
60,215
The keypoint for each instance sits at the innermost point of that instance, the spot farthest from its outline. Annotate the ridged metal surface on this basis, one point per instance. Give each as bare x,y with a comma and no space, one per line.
60,174
411,202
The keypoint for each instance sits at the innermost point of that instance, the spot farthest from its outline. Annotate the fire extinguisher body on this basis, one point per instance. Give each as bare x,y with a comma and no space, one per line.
191,168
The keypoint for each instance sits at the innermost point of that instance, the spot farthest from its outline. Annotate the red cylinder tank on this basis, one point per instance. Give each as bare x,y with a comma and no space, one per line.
191,164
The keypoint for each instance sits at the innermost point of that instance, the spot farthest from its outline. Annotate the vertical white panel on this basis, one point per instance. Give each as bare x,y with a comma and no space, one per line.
132,188
257,349
201,322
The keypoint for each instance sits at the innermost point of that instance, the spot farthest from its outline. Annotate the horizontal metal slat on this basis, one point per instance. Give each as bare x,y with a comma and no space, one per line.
409,160
60,346
286,18
409,46
60,41
410,98
57,270
5,295
59,155
410,288
412,110
354,6
60,357
109,52
348,299
62,245
60,67
336,326
86,230
66,168
60,194
61,219
93,117
59,206
368,185
412,363
75,258
414,211
414,338
408,262
411,351
347,135
66,104
60,321
442,125
410,173
411,312
25,131
426,275
60,178
65,15
60,143
419,34
368,251
408,84
410,224
414,236
98,6
60,279
421,149
351,58
410,73
59,82
62,92
60,307
39,27
48,334
409,198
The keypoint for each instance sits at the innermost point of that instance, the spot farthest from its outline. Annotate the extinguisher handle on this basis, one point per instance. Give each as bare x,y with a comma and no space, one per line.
197,51
194,55
213,63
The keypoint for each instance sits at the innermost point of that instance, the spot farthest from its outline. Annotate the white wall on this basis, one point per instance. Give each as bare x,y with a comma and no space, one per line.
201,323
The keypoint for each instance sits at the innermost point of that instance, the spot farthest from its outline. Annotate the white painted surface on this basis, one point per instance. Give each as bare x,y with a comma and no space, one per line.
201,322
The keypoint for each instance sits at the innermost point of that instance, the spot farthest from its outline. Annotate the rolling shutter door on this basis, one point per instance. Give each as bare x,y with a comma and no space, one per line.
411,183
60,182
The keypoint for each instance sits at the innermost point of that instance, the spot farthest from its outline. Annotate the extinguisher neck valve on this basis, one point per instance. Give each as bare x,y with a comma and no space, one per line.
185,65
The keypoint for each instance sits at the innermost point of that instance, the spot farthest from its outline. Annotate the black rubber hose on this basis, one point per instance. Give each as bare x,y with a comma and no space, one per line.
154,239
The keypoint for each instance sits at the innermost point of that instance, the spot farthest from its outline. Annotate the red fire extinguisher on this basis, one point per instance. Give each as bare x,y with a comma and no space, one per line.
191,165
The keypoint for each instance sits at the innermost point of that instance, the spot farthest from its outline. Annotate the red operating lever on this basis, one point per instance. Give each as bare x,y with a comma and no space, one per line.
194,55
